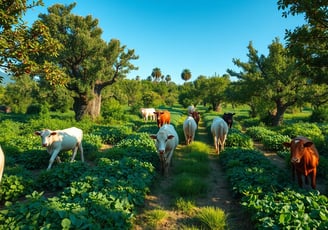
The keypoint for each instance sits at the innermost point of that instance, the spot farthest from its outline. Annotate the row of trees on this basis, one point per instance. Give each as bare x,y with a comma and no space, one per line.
73,67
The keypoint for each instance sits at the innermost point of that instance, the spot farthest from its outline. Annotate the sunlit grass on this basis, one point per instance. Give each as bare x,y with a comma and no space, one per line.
212,218
185,206
155,217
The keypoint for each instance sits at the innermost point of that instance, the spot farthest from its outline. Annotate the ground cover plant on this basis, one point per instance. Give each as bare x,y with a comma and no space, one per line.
273,203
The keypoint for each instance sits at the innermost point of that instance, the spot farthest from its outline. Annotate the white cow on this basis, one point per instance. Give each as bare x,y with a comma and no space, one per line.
148,112
61,140
189,129
2,162
219,130
191,109
167,140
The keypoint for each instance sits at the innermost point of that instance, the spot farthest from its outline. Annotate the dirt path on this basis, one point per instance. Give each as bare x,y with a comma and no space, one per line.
219,196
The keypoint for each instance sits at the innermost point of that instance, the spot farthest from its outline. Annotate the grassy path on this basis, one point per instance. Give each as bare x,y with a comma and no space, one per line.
219,194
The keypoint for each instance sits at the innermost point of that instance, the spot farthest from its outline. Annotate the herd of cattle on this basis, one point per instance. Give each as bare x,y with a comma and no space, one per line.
304,155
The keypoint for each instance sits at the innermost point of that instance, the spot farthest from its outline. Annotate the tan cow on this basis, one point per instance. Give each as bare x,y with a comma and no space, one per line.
2,163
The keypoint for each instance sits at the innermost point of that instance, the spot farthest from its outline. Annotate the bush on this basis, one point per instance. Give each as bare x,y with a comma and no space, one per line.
319,115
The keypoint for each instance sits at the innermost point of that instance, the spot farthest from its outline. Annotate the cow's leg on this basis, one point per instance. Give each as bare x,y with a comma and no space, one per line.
81,151
74,152
299,179
215,144
52,158
313,178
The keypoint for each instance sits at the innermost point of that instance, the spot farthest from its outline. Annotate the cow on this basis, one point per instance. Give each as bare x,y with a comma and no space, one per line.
167,140
2,162
163,117
219,130
191,109
228,118
189,129
5,109
196,116
304,158
148,113
61,140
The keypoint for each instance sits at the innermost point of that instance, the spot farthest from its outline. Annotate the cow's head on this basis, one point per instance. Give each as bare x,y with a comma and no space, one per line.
228,117
297,146
45,136
196,116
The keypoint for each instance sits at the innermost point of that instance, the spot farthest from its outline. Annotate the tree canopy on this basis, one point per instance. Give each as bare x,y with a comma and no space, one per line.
90,63
308,43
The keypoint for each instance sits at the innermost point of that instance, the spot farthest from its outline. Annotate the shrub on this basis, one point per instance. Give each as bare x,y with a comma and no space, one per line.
236,138
319,115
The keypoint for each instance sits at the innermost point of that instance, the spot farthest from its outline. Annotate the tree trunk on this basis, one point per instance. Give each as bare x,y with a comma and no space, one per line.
278,118
82,106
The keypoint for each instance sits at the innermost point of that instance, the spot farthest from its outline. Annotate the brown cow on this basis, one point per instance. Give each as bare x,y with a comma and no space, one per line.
196,116
304,158
163,117
228,118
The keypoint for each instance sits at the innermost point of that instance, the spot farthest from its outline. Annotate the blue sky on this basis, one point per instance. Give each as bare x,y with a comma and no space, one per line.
200,35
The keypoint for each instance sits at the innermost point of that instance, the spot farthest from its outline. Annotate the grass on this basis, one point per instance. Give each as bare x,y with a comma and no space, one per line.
186,206
188,185
155,217
212,218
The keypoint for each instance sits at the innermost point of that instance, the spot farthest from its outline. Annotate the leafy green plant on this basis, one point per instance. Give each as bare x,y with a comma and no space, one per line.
61,176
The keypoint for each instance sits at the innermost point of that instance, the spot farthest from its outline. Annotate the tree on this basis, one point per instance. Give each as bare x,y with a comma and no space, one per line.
156,74
18,43
308,43
90,63
274,80
186,75
168,78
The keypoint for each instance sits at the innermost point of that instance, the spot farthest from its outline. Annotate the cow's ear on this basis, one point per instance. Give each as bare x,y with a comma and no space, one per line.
38,133
53,133
286,144
153,136
233,113
170,136
308,144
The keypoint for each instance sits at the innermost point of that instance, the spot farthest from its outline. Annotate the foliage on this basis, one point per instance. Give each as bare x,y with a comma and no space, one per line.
19,43
16,182
271,200
91,64
319,115
236,138
111,134
289,209
61,176
308,42
270,81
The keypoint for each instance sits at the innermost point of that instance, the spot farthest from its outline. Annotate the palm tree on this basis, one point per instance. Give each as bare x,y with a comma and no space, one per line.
156,74
186,75
168,78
